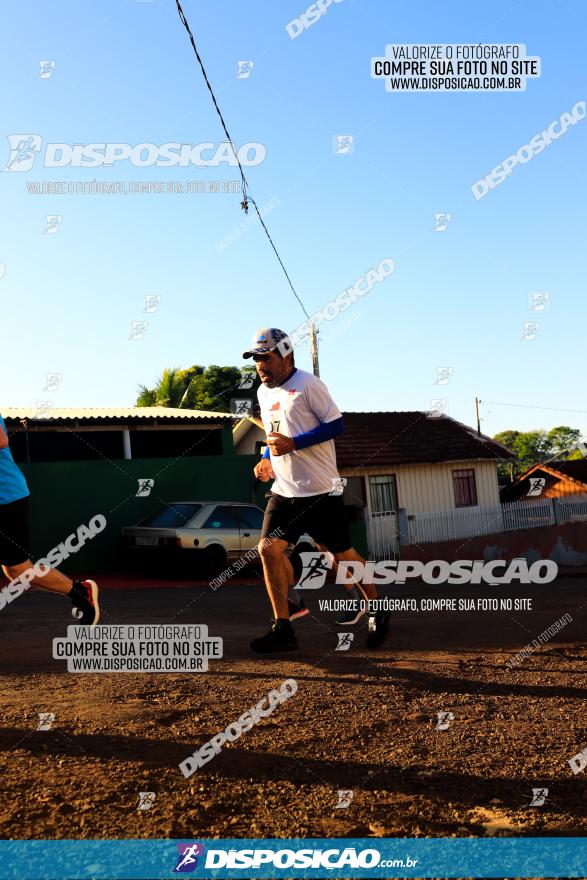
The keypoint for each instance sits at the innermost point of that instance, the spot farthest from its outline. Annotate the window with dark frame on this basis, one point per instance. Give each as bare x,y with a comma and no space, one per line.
383,493
465,487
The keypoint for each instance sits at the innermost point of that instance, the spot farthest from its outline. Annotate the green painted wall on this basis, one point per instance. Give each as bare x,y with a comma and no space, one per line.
359,538
66,494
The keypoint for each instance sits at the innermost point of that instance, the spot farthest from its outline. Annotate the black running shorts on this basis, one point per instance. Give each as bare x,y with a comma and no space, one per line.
14,532
320,516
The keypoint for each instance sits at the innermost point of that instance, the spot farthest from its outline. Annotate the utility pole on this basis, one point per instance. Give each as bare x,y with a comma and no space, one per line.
314,350
477,402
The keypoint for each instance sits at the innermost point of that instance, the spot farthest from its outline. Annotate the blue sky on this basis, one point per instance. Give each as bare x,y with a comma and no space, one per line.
125,73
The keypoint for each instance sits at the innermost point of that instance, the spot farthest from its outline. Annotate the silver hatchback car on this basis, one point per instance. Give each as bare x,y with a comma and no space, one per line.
216,532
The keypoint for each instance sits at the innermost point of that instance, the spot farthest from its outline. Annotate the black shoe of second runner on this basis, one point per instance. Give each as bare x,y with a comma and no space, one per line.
378,628
279,639
297,609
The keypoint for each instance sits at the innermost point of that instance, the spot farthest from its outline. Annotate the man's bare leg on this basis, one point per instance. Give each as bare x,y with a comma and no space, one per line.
54,580
348,587
289,572
276,573
84,596
351,555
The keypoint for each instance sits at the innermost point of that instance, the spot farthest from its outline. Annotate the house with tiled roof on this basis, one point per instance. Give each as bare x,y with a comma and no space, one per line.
553,479
418,461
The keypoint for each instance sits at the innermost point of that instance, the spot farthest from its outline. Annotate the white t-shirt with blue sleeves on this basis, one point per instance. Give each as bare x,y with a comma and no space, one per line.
299,405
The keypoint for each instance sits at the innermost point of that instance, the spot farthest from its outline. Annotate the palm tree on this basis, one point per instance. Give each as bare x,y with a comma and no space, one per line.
196,388
170,388
168,391
147,396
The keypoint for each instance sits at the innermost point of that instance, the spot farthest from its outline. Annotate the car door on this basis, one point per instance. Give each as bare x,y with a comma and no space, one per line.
250,521
221,527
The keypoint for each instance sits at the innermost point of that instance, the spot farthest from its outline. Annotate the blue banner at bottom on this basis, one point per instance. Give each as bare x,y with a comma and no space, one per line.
247,858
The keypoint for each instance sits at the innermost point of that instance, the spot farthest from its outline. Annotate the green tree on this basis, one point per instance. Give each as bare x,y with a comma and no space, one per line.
564,438
203,388
507,439
506,471
147,396
532,447
170,388
212,388
535,447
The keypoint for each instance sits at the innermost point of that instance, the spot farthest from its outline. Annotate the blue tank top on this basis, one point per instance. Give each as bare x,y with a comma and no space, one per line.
12,482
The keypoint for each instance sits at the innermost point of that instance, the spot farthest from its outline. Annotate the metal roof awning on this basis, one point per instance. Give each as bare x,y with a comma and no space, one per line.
50,416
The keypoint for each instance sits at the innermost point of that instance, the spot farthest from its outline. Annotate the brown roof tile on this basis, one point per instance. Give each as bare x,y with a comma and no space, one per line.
375,439
575,468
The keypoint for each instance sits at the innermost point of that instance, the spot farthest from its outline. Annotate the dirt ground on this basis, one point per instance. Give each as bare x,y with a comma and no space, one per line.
361,721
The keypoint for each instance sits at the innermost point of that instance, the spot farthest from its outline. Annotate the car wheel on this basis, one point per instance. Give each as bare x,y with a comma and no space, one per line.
215,561
253,570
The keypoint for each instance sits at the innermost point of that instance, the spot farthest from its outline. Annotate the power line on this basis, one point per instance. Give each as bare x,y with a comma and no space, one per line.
246,197
530,406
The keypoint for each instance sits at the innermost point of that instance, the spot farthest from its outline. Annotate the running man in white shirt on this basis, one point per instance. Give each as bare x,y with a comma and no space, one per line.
301,421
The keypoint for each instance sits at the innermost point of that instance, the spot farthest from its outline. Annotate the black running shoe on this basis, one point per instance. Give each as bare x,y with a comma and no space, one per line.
378,627
297,609
84,598
278,640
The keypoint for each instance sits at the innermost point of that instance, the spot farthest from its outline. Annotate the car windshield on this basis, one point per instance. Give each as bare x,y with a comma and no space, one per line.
174,516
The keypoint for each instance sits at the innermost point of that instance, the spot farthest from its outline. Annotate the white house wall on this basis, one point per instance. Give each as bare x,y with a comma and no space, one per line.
246,444
430,487
426,487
